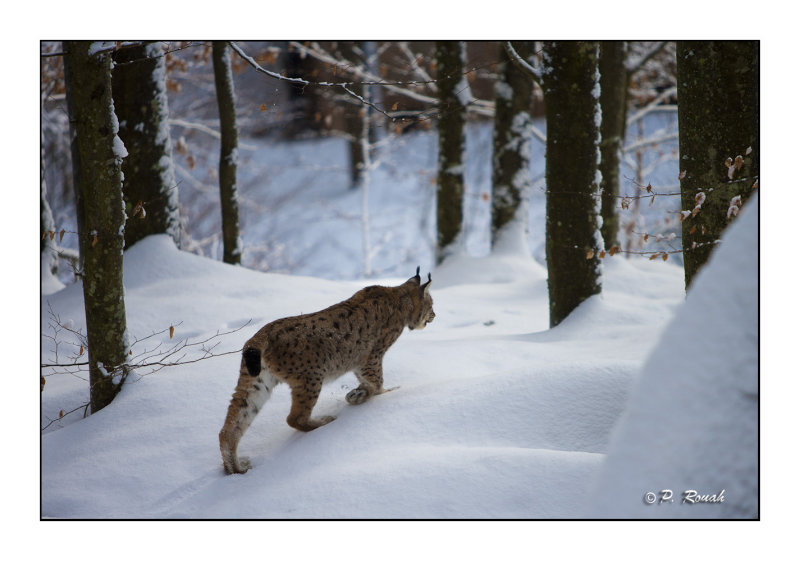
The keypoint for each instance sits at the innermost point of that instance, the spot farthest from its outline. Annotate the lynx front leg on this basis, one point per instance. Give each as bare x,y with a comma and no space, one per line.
371,378
248,398
304,396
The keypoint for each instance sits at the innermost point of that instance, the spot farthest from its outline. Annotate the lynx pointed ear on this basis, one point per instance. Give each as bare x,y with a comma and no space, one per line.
416,277
427,285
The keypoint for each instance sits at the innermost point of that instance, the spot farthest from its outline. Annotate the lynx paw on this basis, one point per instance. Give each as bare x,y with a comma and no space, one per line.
356,396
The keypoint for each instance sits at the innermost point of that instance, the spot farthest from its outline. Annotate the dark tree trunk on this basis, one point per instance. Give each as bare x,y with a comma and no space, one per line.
229,154
613,100
452,117
97,161
718,118
511,177
140,102
353,115
573,239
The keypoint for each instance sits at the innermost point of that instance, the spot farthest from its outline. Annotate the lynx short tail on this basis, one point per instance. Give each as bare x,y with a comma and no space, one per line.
252,360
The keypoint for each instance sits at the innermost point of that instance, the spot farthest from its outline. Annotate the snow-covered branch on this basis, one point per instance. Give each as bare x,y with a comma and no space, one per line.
367,78
533,72
412,60
252,62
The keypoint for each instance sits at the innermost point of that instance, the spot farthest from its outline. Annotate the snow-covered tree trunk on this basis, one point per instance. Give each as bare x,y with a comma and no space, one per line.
613,101
571,86
718,124
140,101
97,161
46,225
453,96
511,176
363,181
229,154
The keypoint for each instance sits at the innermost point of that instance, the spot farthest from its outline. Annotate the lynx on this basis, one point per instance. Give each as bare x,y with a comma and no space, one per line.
305,351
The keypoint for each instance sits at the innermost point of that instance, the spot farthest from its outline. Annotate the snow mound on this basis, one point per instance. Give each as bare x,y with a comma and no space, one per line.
692,421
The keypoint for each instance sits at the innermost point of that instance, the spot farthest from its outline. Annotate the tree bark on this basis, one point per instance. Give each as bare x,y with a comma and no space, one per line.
354,117
451,87
613,101
229,154
97,162
46,222
140,102
718,118
573,241
511,177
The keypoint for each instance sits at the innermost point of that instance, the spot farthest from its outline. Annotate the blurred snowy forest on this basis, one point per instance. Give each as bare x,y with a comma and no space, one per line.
296,152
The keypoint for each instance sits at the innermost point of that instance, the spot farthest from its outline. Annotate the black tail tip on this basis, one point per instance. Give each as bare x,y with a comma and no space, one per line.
252,360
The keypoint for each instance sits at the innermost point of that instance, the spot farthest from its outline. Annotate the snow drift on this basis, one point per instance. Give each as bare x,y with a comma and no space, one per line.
687,444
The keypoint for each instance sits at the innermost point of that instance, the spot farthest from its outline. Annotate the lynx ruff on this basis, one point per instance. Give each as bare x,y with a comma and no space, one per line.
305,351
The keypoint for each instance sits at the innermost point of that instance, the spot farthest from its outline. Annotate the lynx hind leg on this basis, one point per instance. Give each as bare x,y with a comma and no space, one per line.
248,398
304,397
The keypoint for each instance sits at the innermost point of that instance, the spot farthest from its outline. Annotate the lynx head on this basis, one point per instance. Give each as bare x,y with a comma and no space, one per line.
422,304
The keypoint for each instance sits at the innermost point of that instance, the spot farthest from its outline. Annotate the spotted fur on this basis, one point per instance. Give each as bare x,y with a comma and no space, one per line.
305,351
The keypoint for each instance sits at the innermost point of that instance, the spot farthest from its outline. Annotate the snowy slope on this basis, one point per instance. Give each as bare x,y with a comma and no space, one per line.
692,422
495,416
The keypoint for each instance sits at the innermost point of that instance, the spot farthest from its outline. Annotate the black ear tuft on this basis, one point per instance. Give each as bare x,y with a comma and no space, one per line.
425,286
416,277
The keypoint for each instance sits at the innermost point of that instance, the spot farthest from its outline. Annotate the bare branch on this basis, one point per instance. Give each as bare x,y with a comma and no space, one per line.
535,73
669,92
206,129
633,66
250,60
412,60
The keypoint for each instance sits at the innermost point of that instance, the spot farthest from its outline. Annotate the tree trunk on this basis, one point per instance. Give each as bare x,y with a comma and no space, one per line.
354,117
46,223
97,162
229,154
452,91
511,176
573,240
718,118
613,101
140,102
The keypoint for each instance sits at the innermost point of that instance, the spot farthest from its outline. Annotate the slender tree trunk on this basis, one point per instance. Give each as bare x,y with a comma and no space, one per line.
573,240
97,162
452,93
229,154
511,177
354,117
46,222
718,118
613,100
140,102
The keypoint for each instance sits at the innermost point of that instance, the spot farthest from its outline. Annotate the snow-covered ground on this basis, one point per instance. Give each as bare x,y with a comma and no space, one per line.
496,416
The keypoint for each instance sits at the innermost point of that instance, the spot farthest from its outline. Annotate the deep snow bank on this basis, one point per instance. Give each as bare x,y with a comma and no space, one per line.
692,420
